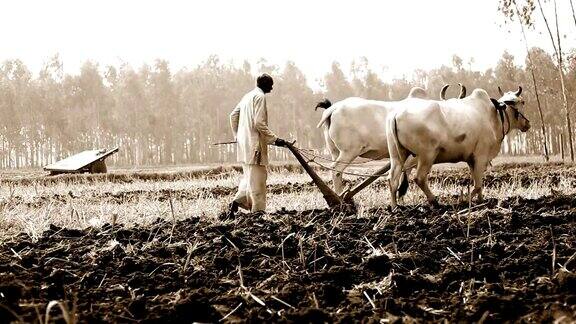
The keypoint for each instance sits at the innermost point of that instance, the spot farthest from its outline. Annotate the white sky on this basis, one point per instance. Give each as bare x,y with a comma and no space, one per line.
396,36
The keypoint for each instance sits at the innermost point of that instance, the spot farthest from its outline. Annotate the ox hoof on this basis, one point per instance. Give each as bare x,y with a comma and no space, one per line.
226,216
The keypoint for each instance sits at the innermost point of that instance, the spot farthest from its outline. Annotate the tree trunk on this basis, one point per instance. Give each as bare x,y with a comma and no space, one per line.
562,146
561,71
573,14
535,85
558,51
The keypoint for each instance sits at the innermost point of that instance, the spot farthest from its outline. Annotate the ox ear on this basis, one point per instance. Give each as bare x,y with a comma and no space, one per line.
497,104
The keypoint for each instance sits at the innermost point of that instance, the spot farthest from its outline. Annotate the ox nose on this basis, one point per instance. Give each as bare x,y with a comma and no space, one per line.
526,126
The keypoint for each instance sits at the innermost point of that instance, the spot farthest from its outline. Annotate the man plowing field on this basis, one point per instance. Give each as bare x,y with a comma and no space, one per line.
249,122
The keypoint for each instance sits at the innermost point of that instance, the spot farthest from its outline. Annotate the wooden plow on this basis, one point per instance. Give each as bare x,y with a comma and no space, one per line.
333,199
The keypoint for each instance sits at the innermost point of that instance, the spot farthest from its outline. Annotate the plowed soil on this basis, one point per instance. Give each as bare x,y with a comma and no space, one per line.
511,260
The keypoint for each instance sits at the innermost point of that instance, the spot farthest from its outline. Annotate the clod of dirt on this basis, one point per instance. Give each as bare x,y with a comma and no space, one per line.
309,315
567,281
194,308
137,307
11,291
507,307
405,285
379,264
330,295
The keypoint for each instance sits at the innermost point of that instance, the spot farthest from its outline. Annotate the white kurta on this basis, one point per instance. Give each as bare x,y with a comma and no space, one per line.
249,122
251,193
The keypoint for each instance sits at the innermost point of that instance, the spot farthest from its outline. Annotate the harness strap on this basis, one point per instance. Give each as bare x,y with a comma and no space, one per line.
501,113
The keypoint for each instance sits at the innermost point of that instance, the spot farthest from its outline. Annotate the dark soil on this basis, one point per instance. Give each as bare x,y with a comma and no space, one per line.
317,266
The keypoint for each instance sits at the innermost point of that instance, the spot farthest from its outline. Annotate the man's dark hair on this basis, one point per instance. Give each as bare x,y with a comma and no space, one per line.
264,80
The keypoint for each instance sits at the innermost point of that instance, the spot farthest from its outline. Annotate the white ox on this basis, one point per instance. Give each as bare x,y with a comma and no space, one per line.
356,127
469,130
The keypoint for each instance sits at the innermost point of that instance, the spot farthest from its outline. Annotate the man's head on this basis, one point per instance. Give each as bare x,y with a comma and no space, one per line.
264,82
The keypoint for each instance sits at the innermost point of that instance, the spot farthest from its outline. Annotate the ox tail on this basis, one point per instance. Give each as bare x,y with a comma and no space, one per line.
326,104
403,189
394,128
393,132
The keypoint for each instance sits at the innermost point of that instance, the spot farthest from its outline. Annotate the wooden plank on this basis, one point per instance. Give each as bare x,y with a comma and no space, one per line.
79,162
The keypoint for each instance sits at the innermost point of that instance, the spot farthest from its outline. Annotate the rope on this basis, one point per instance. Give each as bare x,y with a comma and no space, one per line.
314,156
311,153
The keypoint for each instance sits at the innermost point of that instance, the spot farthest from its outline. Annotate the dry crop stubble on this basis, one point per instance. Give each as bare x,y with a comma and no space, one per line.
87,201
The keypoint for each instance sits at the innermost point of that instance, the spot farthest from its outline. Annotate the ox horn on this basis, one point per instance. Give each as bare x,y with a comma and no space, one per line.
519,91
443,91
500,91
462,91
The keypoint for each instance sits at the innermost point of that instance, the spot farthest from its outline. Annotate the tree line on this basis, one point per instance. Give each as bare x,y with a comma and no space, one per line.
161,117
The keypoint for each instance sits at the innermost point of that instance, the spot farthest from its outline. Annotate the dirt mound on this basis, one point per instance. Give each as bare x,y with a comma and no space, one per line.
513,260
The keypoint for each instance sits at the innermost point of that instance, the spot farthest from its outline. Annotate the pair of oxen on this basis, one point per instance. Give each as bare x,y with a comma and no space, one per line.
420,132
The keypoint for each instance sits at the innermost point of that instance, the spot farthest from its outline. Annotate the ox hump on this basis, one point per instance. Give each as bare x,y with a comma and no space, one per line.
480,94
418,92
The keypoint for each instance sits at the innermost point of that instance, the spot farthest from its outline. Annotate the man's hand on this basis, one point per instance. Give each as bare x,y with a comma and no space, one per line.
280,142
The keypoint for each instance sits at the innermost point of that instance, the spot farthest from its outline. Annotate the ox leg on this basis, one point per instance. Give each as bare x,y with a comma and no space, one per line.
343,160
334,153
477,169
394,180
410,164
424,166
336,176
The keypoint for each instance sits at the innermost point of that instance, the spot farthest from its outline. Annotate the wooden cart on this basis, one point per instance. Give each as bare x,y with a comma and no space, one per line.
91,161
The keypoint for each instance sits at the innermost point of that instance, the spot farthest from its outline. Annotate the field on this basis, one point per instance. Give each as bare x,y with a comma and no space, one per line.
147,246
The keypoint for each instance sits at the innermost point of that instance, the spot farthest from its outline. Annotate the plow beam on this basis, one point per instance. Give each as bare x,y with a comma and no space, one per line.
332,199
349,193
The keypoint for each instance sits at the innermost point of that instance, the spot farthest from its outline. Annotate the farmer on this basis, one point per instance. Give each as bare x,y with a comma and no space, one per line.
249,122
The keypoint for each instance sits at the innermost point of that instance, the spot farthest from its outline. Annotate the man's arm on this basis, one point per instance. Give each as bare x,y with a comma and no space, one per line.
234,119
261,121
